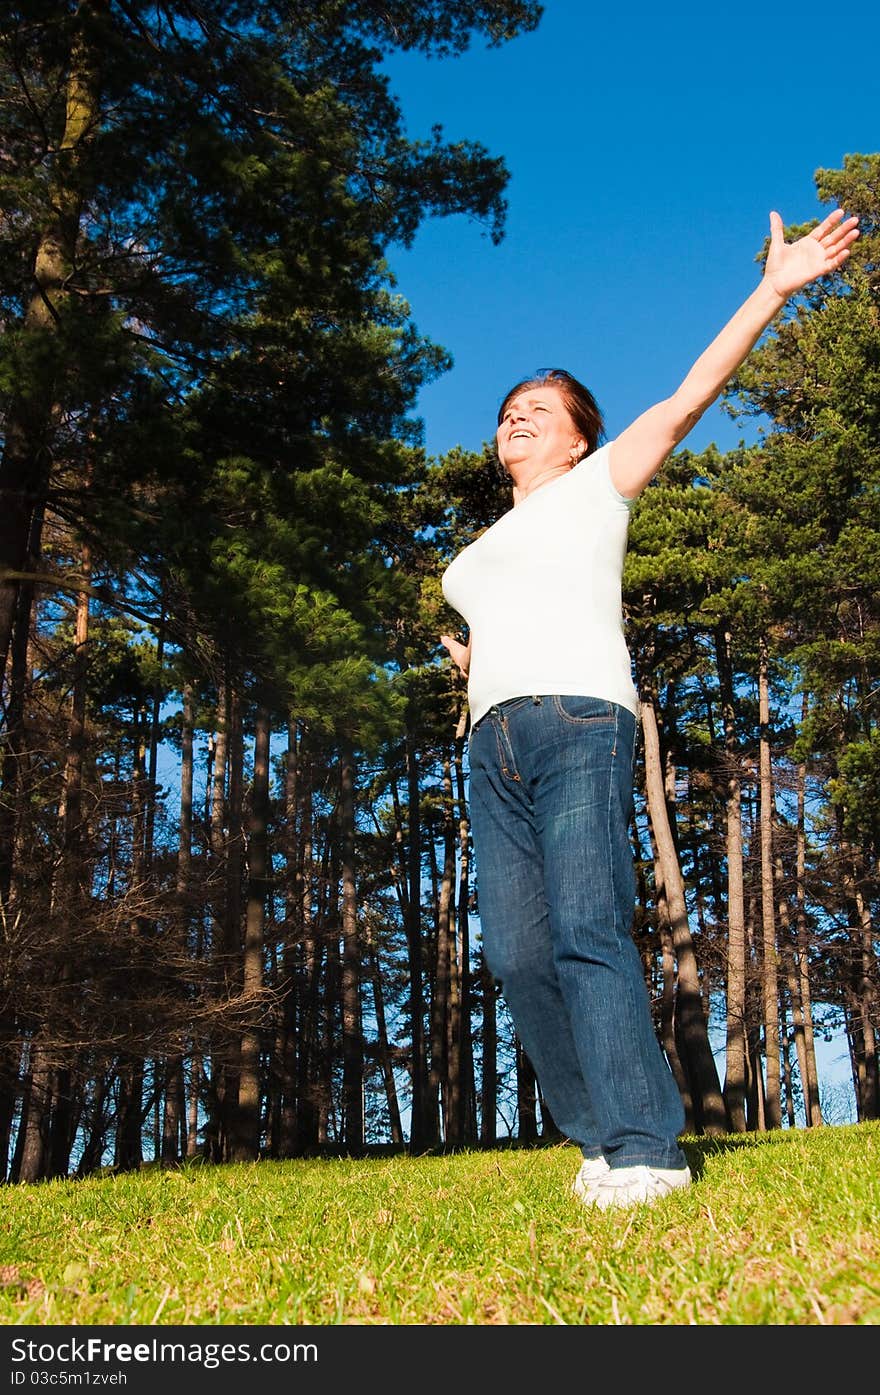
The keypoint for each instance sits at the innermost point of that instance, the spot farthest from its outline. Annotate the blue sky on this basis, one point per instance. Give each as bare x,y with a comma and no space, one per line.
646,146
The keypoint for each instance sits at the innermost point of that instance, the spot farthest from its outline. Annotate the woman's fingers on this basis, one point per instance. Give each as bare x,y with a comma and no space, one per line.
834,231
838,243
457,651
776,229
827,223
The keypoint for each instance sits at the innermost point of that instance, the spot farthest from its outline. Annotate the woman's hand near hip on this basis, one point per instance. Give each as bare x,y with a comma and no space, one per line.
458,652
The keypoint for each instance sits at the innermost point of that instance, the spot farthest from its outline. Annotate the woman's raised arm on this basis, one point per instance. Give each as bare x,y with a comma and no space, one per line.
639,451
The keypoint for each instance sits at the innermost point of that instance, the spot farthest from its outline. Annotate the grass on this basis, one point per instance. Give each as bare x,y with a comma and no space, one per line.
781,1228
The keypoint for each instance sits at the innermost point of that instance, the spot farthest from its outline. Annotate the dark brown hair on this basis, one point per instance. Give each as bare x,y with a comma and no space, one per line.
579,401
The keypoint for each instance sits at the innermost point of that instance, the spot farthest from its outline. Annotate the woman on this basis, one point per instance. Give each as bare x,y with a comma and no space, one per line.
553,722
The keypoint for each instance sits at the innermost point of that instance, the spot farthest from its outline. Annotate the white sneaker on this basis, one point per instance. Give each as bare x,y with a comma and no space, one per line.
628,1186
590,1172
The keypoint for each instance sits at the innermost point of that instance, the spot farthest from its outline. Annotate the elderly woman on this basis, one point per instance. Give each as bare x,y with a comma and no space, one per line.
553,722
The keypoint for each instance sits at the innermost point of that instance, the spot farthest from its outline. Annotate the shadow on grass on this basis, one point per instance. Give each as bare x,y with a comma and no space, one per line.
698,1149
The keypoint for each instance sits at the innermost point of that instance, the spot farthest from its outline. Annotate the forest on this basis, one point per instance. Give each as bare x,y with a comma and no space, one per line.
239,915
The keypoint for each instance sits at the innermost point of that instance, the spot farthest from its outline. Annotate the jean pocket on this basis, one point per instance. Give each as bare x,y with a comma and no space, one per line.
573,708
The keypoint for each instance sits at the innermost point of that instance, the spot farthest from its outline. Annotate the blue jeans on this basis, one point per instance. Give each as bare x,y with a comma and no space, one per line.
551,799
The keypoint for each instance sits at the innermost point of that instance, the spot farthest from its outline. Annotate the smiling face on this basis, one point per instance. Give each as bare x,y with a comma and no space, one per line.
537,433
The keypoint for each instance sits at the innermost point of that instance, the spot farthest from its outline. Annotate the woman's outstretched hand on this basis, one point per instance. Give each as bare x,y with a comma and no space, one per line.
639,451
792,265
458,652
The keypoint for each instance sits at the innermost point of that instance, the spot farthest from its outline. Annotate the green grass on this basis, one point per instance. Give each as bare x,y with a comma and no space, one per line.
781,1228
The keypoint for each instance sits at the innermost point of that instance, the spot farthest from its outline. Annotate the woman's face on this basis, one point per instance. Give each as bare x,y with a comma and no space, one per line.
537,432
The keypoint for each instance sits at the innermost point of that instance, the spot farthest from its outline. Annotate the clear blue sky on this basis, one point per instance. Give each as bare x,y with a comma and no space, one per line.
646,146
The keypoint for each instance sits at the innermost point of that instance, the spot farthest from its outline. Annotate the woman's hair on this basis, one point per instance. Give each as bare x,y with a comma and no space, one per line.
579,401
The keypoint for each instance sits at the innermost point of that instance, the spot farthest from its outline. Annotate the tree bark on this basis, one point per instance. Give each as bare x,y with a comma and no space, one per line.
812,1102
291,1002
395,1125
466,1127
756,1115
129,1140
693,1031
769,974
667,969
352,1033
35,1117
422,1135
526,1096
307,1045
25,467
443,966
12,720
218,817
736,1068
71,891
174,1096
489,1059
233,929
788,958
864,994
246,1142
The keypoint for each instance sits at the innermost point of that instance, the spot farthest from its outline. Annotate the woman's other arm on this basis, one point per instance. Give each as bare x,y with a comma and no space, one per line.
639,451
458,652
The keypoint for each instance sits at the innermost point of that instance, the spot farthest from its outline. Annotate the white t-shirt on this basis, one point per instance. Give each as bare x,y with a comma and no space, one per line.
541,593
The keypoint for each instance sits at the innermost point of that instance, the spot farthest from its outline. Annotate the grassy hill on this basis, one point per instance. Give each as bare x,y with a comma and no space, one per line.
781,1228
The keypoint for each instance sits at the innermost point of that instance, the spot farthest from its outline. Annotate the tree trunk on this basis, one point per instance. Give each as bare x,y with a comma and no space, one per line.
129,1139
96,1137
756,1115
526,1096
443,968
864,992
332,994
218,814
12,803
811,1080
193,1098
770,974
422,1135
736,1067
352,1033
787,1081
667,1015
246,1142
68,895
692,1028
667,969
175,1103
12,720
155,735
129,1152
394,1121
310,993
489,1059
27,455
233,940
797,1035
453,1105
290,986
35,1117
466,1127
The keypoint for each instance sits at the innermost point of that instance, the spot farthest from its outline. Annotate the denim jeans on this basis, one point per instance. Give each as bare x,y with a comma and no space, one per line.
551,791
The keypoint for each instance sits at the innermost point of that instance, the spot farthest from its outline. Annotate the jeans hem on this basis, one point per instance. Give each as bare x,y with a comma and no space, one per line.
676,1162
